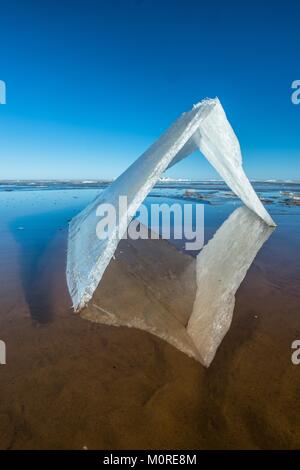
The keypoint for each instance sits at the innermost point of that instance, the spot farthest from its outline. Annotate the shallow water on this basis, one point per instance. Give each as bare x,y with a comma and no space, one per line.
33,215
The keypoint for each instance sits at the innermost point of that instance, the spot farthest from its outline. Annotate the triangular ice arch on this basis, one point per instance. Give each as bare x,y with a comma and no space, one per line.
205,127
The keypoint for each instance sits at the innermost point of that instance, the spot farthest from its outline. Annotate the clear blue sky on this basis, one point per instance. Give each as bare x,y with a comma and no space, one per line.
91,83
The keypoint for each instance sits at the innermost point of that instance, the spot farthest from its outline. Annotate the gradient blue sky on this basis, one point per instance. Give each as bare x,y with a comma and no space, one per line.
90,84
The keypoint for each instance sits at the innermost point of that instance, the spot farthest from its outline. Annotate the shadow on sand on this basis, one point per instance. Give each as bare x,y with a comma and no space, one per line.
41,240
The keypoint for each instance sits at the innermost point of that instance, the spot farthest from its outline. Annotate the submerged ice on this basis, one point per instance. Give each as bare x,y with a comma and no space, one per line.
205,127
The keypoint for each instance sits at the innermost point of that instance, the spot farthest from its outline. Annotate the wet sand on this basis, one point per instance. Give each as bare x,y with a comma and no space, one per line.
70,383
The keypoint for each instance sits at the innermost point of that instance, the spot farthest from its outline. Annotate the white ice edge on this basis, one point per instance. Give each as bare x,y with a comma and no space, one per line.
205,127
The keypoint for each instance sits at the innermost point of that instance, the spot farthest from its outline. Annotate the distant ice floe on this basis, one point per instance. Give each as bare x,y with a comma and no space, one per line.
290,198
205,127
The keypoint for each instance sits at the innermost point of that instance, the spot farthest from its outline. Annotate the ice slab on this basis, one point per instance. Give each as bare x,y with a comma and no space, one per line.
205,127
221,266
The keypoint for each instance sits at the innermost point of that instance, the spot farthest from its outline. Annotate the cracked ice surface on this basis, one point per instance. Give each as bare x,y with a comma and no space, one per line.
205,127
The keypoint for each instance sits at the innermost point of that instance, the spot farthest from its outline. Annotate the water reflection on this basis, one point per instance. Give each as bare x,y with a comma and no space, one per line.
186,301
41,240
220,268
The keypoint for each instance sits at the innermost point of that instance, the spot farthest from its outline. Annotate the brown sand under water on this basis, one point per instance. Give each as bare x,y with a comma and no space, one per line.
72,383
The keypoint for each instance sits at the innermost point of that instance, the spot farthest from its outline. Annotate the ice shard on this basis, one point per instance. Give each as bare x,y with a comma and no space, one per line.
205,127
220,268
